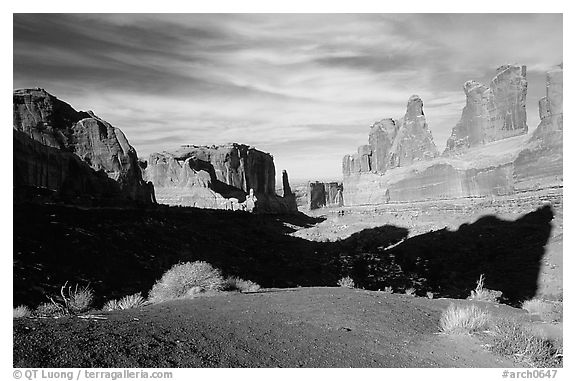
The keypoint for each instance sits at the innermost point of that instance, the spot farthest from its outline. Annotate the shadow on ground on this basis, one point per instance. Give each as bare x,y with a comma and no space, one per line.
124,251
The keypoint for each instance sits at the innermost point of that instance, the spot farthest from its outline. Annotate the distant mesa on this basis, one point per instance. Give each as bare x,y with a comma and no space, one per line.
231,176
71,154
487,154
492,113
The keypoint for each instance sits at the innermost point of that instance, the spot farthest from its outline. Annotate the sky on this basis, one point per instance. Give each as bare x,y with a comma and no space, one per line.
303,87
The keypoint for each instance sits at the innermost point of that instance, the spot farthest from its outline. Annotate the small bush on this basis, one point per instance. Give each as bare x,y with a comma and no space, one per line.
388,290
127,302
186,279
483,294
21,312
548,311
410,291
239,284
49,310
512,339
131,301
463,320
111,305
430,295
346,282
80,300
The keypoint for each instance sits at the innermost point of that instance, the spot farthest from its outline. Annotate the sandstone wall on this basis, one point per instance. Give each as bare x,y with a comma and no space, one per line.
497,167
55,124
394,143
324,194
492,113
217,177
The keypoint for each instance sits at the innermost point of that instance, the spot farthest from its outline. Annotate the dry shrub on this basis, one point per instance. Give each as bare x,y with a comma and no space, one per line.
186,280
463,320
78,300
388,290
21,312
127,302
483,294
346,282
511,338
547,310
239,284
410,291
49,310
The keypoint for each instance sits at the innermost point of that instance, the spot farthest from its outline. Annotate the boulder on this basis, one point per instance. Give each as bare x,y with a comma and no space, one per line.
55,124
492,113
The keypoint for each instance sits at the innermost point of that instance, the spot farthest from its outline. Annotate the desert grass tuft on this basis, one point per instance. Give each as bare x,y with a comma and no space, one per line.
547,310
238,284
463,320
125,303
186,280
21,312
346,282
49,310
511,338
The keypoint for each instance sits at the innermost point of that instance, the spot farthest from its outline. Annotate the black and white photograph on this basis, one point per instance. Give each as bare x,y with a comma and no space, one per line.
286,190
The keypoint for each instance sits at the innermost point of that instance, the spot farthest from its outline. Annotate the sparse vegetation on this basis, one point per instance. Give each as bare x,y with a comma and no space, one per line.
410,291
238,284
463,320
511,338
483,294
79,300
21,312
430,295
346,282
49,310
547,310
388,290
186,280
127,302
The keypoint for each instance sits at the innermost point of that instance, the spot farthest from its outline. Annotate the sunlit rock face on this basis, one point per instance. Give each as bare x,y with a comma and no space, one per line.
217,177
540,163
394,143
492,113
495,156
41,117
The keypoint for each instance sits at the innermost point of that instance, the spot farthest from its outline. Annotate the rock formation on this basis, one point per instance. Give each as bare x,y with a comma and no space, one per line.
217,177
490,167
394,143
492,113
324,194
60,132
540,163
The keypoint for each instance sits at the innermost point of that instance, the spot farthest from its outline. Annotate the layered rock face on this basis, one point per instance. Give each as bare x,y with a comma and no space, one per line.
325,195
394,143
218,177
540,163
62,131
497,167
492,113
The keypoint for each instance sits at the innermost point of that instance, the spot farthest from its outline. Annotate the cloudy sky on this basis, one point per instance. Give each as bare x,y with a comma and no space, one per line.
303,87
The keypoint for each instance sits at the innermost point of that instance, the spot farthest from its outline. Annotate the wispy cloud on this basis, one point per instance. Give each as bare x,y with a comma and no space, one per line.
303,87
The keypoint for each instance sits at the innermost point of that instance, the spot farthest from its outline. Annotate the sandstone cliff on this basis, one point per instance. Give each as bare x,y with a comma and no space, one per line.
394,143
497,167
218,177
492,113
60,131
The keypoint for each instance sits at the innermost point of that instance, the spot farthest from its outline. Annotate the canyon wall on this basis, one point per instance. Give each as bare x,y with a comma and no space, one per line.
233,176
492,113
324,194
64,151
502,160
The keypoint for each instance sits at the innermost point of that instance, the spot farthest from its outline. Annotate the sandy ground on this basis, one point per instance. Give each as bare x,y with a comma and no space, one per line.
303,327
